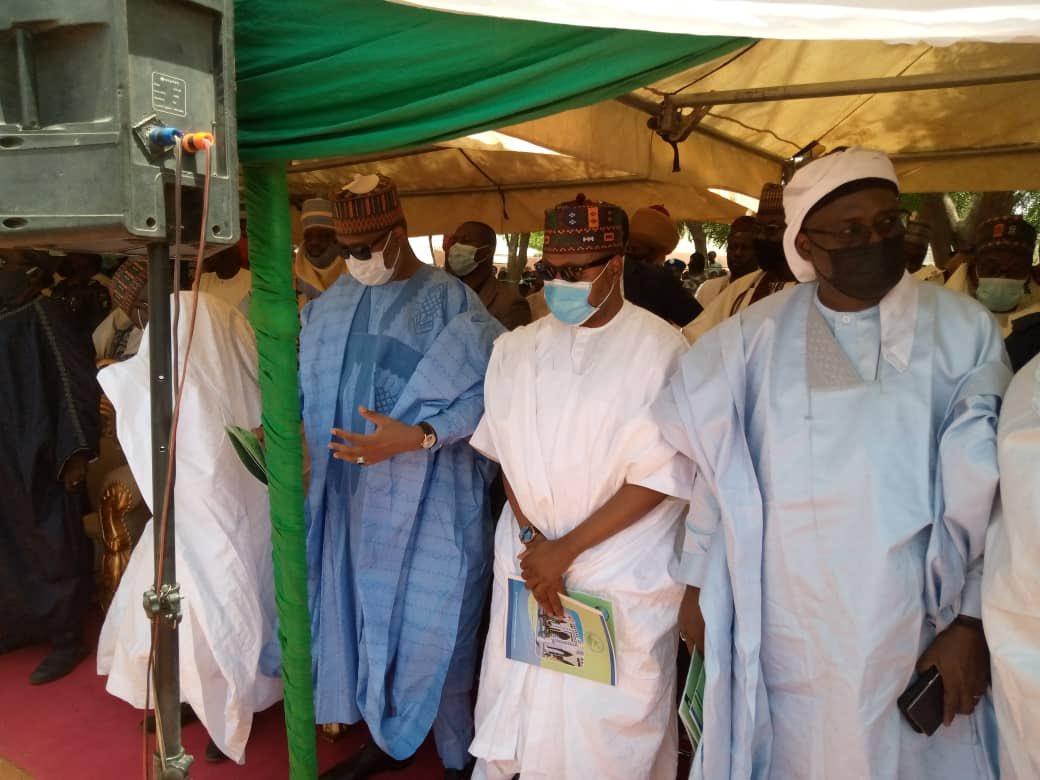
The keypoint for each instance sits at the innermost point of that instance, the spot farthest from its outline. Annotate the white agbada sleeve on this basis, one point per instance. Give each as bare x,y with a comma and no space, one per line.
1011,587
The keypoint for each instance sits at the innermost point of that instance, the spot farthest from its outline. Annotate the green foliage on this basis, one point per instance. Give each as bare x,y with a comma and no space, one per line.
536,241
1029,206
717,233
911,201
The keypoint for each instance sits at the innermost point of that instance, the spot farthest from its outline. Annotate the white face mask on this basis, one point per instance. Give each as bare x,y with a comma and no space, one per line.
462,258
373,272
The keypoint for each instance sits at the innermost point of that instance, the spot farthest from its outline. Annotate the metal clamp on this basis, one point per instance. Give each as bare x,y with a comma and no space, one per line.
175,768
166,604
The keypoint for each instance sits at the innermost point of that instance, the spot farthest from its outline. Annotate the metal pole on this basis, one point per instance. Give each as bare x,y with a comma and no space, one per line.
912,83
166,603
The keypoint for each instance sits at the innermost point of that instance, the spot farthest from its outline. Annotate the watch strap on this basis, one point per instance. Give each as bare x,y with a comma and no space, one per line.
429,435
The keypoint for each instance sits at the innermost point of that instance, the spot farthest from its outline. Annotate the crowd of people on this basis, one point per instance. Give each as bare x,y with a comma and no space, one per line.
815,470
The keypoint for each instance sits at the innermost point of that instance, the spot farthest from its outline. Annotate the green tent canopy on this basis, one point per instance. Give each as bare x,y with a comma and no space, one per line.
329,78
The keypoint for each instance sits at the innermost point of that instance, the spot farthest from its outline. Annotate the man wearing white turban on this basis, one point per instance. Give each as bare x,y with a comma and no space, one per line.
846,455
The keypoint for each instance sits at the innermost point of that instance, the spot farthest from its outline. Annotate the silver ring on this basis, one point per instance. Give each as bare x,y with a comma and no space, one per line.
361,460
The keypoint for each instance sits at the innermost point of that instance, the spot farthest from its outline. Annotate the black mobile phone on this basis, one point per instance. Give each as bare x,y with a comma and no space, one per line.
922,703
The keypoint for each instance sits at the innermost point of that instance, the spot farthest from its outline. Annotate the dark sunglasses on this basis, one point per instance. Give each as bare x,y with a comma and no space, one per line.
568,273
365,252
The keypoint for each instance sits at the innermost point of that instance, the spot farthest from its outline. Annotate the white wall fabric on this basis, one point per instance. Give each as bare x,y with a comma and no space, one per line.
884,20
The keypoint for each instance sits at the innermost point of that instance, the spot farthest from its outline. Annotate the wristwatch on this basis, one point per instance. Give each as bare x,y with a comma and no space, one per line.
528,533
429,435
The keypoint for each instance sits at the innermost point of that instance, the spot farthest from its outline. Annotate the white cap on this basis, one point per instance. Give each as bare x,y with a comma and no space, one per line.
819,179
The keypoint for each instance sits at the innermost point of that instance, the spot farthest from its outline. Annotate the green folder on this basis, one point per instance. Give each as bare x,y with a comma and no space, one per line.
691,708
250,452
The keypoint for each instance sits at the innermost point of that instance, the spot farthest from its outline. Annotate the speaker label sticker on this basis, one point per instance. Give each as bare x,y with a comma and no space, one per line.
169,94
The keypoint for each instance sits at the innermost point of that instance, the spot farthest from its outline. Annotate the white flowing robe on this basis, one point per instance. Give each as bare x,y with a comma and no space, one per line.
567,414
1011,582
837,523
223,533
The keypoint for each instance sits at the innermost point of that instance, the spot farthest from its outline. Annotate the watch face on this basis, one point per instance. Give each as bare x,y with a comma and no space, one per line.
526,534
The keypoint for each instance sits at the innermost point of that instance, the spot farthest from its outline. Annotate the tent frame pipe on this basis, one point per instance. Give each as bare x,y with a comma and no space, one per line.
323,164
911,83
530,185
991,151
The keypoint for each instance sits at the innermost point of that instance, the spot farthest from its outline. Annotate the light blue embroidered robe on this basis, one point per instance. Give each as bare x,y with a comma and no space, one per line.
836,524
398,552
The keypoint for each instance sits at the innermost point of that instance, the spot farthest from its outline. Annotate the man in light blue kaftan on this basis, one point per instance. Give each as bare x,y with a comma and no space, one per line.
392,360
844,435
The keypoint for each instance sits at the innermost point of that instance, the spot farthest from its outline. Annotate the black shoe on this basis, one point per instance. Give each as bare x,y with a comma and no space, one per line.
461,774
188,716
65,657
368,761
213,753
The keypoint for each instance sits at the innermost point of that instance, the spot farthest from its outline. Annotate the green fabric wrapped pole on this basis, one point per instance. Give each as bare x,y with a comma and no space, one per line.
275,319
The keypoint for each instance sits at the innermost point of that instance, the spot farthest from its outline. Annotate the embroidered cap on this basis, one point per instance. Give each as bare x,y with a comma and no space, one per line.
316,213
127,283
1009,232
583,225
366,205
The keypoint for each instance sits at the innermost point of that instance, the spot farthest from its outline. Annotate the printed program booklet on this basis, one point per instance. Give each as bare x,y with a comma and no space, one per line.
581,643
691,707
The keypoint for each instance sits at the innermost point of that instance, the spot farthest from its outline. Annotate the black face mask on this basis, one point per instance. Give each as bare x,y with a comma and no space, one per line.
867,273
770,256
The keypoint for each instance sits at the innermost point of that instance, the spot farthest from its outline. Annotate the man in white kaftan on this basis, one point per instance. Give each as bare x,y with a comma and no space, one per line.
567,414
1011,585
223,532
760,239
844,436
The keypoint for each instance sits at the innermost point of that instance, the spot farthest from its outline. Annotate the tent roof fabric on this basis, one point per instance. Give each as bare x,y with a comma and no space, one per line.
883,20
508,190
965,138
368,76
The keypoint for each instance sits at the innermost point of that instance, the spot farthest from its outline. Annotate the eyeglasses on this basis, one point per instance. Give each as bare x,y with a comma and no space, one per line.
568,273
890,224
365,252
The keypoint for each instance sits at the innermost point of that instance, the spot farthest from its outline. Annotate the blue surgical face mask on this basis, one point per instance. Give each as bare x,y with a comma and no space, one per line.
998,294
569,301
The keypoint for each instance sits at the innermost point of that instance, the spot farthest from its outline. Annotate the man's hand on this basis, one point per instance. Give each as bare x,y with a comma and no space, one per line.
962,657
547,594
391,437
74,474
691,621
543,564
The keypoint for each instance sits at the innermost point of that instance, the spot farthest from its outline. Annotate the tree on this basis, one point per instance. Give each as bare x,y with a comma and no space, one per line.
517,244
955,216
700,233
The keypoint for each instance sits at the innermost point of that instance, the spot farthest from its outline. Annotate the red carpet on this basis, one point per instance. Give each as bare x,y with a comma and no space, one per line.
73,728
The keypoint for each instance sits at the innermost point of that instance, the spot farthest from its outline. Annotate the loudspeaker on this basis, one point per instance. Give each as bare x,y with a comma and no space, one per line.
82,82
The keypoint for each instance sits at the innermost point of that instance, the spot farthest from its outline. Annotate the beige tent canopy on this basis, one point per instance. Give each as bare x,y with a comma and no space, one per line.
958,117
981,134
490,176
